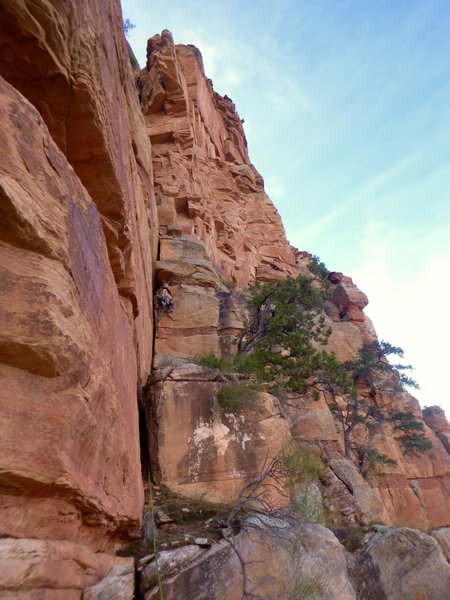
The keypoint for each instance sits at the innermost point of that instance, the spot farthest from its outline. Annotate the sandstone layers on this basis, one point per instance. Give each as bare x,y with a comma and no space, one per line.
204,180
218,228
78,237
99,195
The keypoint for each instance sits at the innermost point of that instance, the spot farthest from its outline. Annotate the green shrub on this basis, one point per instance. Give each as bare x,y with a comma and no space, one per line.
286,325
303,464
374,458
309,587
235,397
318,268
225,364
302,586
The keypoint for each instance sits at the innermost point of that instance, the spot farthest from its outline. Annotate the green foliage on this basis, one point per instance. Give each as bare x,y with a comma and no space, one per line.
303,464
318,268
286,326
236,397
372,367
372,361
375,457
372,459
250,364
225,364
413,438
307,587
283,344
303,467
128,26
302,586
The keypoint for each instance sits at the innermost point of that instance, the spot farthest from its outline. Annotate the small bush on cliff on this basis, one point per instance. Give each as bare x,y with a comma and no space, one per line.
413,438
373,369
299,585
303,464
304,469
237,396
318,268
309,587
372,458
225,364
128,26
372,362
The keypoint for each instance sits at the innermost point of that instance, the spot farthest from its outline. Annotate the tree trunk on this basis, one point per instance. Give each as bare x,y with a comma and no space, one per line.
347,447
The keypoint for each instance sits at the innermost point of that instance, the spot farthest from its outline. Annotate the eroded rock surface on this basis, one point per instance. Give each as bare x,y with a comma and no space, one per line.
70,59
203,176
34,569
400,564
308,555
69,468
199,447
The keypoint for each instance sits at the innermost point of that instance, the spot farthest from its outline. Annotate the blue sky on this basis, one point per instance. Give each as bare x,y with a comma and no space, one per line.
347,114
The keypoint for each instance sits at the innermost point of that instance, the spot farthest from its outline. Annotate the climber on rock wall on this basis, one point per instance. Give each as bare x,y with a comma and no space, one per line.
163,299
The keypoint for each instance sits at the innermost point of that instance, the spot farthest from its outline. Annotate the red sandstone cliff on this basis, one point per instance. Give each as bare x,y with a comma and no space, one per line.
212,218
99,194
78,235
204,180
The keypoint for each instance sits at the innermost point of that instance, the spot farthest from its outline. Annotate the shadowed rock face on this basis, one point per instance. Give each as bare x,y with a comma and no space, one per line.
77,220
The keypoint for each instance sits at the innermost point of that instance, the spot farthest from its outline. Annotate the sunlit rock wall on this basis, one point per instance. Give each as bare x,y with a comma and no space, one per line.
204,180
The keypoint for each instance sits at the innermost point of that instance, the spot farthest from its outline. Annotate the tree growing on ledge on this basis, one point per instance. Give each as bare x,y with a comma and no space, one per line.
283,342
128,26
373,369
285,329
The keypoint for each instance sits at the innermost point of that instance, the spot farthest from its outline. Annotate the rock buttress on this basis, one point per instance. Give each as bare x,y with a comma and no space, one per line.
204,180
78,224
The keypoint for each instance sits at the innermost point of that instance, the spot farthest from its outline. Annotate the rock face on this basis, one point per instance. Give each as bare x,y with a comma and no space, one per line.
200,448
70,60
34,569
83,235
309,556
77,244
206,192
402,563
203,177
65,377
119,584
434,417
